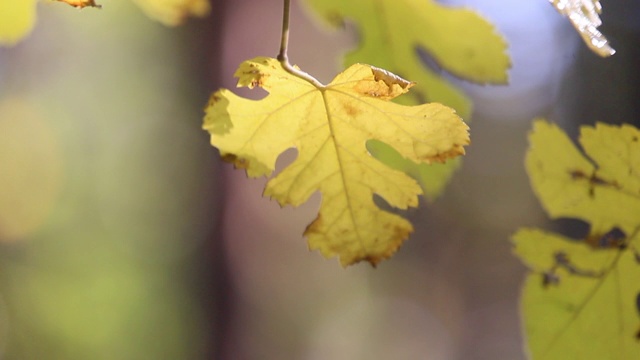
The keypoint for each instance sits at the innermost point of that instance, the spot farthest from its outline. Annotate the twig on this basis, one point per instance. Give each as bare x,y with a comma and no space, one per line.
284,44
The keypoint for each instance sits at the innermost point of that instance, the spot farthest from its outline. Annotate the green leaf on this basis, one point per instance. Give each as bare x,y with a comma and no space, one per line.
17,19
591,314
536,248
174,12
570,185
580,299
392,31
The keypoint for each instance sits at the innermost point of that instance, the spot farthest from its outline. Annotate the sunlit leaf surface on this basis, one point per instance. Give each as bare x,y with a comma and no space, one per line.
397,35
330,126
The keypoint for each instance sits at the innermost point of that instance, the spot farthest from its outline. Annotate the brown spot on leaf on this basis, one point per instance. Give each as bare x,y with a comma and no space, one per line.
81,3
400,234
593,179
230,158
213,99
442,157
373,260
612,239
335,18
238,162
314,226
258,80
577,175
562,260
351,110
385,85
550,278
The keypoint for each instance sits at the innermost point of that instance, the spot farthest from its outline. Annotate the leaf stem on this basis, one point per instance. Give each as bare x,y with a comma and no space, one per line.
284,45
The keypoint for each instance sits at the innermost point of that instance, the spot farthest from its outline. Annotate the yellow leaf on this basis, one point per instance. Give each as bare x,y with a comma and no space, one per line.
433,178
581,299
174,12
570,185
330,126
590,311
392,32
616,150
537,249
17,18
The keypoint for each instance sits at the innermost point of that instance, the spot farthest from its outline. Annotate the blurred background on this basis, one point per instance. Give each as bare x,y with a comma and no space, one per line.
122,236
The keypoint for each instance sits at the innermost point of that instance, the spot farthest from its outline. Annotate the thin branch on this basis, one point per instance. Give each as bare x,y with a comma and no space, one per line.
284,45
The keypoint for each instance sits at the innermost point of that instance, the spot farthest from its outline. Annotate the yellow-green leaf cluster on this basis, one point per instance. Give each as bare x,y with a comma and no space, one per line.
17,17
580,299
329,125
174,12
393,32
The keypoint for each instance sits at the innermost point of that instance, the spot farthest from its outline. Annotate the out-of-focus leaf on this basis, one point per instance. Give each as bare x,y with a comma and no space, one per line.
17,18
174,12
589,310
30,169
393,33
570,185
585,18
580,298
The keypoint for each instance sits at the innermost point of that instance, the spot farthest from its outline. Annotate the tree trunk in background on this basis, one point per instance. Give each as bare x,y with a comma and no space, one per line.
212,284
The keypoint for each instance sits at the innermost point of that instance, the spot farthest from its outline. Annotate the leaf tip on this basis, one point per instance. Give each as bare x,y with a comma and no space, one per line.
215,119
251,73
331,242
253,167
